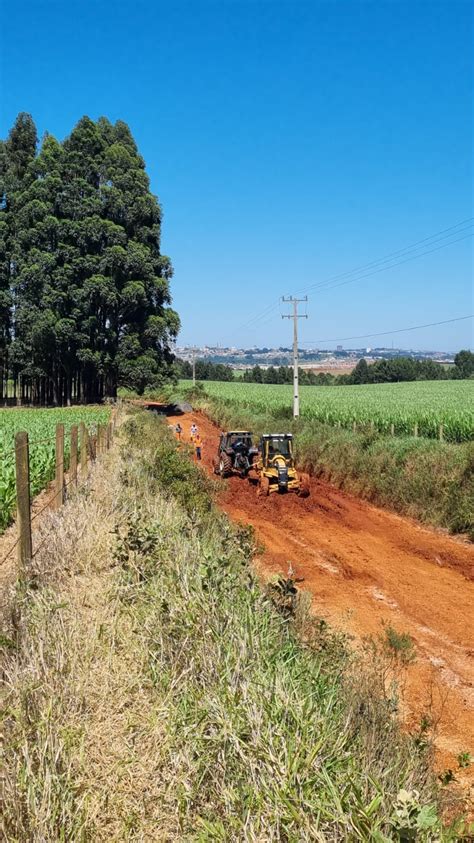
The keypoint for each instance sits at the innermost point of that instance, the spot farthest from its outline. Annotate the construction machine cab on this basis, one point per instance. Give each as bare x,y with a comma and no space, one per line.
277,447
235,453
235,440
275,469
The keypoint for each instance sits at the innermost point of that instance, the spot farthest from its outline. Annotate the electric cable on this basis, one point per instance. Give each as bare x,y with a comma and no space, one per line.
386,333
322,288
399,252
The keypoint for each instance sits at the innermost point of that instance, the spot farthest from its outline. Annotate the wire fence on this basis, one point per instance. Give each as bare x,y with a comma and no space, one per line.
47,440
43,508
10,551
85,446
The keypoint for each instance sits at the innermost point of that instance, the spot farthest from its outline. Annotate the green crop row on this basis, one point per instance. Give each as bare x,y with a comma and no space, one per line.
41,428
422,405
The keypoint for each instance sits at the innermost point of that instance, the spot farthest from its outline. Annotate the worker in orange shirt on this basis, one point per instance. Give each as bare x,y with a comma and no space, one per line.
198,446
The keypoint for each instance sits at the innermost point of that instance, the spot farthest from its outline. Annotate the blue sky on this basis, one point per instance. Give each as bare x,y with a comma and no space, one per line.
289,142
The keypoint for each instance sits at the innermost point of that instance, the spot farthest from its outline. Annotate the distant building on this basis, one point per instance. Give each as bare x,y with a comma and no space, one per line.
339,348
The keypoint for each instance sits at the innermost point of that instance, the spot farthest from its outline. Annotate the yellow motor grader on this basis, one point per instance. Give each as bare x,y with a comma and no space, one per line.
273,469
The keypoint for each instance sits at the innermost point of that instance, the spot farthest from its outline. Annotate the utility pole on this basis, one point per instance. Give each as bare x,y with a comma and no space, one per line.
295,316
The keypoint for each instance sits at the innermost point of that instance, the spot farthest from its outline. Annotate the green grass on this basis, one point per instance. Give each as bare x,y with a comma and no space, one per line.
40,425
156,693
427,404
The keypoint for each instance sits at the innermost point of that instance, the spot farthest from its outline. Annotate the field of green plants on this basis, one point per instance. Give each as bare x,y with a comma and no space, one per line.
41,427
428,404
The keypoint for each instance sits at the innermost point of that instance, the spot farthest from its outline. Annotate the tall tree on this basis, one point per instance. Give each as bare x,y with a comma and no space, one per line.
360,373
16,156
464,363
84,288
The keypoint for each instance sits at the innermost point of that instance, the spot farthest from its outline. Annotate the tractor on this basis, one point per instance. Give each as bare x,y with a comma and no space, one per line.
274,469
235,453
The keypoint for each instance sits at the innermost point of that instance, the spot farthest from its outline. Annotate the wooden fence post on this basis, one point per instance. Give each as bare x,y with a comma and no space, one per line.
93,446
110,432
354,426
441,432
84,449
59,496
100,438
392,429
22,461
73,458
415,429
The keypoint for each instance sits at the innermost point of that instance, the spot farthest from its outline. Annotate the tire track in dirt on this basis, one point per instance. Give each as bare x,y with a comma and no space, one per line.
364,566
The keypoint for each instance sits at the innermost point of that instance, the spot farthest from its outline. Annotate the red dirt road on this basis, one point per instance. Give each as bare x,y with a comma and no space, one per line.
364,566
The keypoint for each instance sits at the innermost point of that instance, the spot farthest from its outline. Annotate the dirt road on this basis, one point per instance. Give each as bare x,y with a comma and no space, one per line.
364,566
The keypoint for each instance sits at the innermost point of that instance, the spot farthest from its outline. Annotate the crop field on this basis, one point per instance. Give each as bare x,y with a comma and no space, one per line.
427,404
41,427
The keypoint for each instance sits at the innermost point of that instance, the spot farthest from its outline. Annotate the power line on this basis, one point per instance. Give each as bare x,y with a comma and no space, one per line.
392,266
385,333
398,253
375,267
256,318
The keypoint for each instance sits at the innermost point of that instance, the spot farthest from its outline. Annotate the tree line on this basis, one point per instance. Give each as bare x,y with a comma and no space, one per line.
411,369
205,370
84,289
382,371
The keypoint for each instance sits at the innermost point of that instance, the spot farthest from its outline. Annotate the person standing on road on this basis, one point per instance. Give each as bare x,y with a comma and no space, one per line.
198,446
194,430
178,430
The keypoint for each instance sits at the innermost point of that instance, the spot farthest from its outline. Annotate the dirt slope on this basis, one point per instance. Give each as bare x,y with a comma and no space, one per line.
365,565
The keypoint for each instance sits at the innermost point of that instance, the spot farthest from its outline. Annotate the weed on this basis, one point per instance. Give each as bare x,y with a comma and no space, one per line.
446,777
464,759
399,646
283,594
411,820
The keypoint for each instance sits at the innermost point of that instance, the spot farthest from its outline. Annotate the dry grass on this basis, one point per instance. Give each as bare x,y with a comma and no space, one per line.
80,724
153,694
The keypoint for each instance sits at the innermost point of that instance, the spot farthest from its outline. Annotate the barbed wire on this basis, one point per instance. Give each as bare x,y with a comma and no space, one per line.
32,442
46,505
42,542
15,544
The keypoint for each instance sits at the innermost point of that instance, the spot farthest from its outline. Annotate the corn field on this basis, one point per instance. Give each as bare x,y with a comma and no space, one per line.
41,428
416,408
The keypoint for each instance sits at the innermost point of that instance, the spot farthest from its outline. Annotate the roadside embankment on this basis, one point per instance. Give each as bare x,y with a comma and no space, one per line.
154,692
423,478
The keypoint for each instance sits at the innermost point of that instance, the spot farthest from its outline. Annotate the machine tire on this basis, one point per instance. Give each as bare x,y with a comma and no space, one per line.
263,487
215,465
303,491
225,465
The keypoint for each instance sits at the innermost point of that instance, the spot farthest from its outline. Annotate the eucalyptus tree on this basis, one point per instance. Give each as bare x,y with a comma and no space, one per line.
84,289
